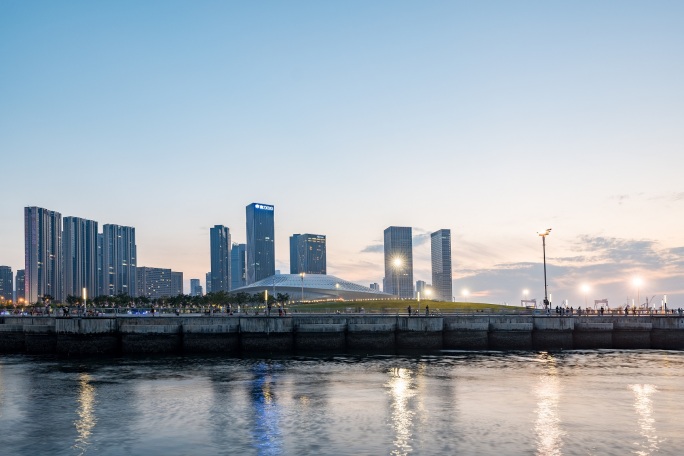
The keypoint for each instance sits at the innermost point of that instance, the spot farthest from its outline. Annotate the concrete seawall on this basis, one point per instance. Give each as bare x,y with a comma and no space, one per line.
333,333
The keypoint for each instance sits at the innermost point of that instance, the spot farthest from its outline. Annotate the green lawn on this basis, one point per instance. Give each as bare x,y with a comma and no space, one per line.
396,306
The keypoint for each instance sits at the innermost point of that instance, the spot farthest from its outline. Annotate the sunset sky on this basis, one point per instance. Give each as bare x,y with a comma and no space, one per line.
494,119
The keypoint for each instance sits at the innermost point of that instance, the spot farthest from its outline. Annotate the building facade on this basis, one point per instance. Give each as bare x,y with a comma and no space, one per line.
308,254
399,261
207,281
79,250
420,288
43,254
176,283
195,287
238,266
220,258
154,283
6,285
119,253
440,248
19,296
260,242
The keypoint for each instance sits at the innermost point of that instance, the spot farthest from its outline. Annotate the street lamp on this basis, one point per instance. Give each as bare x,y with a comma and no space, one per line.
543,235
464,293
302,274
337,288
585,290
526,293
637,283
397,263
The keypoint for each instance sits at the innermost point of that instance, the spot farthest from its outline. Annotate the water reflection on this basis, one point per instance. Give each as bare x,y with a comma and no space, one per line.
400,388
644,408
267,431
547,426
86,416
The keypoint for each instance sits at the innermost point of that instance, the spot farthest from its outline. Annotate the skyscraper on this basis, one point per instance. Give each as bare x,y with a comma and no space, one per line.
20,286
399,261
79,249
176,283
420,288
119,254
43,254
195,287
260,242
238,266
307,254
220,258
441,264
207,281
155,283
6,284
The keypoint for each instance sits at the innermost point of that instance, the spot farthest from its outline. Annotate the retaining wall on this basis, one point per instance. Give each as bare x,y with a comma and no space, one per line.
334,333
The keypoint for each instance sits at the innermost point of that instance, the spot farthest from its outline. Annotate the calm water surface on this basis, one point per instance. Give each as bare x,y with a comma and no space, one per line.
589,402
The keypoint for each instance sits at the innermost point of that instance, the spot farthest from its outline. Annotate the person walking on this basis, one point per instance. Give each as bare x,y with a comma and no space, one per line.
427,310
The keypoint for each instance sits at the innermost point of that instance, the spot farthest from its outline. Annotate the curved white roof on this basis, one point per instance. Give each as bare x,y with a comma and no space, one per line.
316,286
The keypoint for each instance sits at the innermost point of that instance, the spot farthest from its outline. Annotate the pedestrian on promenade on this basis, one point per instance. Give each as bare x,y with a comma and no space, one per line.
427,310
409,311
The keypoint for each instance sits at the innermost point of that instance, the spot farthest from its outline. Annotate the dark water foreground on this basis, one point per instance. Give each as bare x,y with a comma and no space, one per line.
576,402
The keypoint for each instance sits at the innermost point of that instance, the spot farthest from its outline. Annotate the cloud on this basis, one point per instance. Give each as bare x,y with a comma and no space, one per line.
607,264
373,248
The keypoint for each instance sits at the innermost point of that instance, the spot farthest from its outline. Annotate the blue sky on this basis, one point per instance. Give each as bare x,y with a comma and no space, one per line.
493,119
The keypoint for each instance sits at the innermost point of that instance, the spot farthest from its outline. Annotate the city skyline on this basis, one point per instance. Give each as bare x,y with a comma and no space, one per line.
493,122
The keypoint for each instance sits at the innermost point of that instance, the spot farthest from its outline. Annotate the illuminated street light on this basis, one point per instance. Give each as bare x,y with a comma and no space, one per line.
302,274
547,304
464,293
638,283
585,290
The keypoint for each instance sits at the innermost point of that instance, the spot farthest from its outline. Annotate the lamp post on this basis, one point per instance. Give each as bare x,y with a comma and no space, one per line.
464,293
302,274
397,262
637,283
547,304
337,288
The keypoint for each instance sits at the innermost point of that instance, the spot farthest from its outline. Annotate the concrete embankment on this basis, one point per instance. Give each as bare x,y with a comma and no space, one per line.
333,333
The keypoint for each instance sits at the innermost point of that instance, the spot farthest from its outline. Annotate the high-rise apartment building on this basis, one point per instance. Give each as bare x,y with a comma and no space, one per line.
119,255
307,254
207,281
238,266
155,283
19,284
399,261
260,242
6,284
79,250
441,264
220,258
375,286
43,254
176,283
100,266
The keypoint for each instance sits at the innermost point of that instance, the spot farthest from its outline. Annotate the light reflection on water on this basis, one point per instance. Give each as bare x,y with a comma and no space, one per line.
590,402
86,416
643,404
547,425
400,389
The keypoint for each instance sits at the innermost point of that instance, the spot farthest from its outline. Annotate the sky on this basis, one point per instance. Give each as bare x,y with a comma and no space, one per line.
494,119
